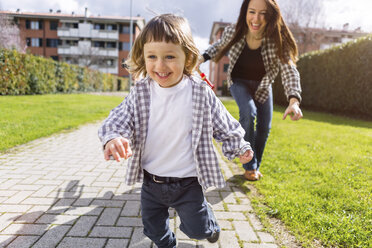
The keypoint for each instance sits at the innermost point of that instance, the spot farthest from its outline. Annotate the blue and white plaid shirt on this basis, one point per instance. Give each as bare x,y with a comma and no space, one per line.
272,63
210,119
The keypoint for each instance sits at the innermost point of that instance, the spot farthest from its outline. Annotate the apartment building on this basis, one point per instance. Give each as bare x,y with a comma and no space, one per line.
99,42
308,39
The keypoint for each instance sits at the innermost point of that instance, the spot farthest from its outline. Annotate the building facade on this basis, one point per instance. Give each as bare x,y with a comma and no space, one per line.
99,42
308,39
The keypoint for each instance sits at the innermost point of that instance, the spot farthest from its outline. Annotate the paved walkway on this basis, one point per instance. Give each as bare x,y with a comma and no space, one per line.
59,192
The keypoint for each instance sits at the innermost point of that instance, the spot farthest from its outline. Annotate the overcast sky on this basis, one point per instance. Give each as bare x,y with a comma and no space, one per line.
200,13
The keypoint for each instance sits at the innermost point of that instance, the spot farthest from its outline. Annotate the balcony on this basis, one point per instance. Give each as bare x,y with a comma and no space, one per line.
88,51
85,30
105,34
68,32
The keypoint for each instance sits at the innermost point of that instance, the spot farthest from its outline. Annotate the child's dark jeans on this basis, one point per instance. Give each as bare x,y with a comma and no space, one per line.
187,198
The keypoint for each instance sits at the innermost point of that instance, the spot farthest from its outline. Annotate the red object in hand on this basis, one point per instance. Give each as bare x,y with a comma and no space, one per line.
202,75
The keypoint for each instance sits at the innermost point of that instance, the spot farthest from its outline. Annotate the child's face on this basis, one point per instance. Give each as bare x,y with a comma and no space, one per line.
164,62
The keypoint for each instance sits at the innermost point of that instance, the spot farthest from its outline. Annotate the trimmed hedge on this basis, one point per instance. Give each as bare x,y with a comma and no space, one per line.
26,74
337,80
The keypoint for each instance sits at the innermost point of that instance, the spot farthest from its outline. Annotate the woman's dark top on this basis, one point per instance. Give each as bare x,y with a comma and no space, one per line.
249,65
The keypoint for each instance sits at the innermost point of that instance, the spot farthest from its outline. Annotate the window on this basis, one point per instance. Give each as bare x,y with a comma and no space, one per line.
336,39
99,26
125,46
225,67
71,42
53,25
34,42
111,45
99,44
110,62
36,25
52,42
125,29
71,25
111,27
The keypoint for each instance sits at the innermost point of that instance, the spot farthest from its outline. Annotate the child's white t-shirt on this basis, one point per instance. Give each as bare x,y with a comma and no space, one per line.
168,149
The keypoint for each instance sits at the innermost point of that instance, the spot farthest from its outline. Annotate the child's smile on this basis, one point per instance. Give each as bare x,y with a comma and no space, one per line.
165,62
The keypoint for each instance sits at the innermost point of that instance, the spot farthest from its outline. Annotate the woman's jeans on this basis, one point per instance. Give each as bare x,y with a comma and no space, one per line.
187,198
250,111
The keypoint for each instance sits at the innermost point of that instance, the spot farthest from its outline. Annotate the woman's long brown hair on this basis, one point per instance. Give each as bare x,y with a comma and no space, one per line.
276,30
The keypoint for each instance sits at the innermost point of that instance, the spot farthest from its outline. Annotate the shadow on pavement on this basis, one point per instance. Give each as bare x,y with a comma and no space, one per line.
75,221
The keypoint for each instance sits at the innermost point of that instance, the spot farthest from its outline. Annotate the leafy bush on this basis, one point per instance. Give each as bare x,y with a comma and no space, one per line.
336,80
22,74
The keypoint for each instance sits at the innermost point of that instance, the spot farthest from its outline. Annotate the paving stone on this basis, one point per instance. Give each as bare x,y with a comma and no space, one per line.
228,239
94,211
129,221
111,232
83,226
229,215
131,208
107,203
239,208
245,231
44,191
29,217
11,208
139,240
225,225
57,219
23,242
6,219
109,216
52,237
25,229
266,237
186,243
8,193
254,245
228,197
117,243
6,239
255,221
70,242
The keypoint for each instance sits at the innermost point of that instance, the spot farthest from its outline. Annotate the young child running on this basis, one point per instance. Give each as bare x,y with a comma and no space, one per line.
166,125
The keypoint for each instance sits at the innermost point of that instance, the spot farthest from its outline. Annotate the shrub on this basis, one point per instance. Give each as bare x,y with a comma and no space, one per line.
22,74
336,80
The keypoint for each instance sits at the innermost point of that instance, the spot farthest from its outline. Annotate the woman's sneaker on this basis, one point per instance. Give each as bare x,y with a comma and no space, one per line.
216,233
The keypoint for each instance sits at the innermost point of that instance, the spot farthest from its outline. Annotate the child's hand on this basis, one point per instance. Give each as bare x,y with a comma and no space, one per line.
246,157
118,148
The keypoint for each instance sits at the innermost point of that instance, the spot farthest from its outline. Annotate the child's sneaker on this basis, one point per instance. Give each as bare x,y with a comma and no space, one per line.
216,233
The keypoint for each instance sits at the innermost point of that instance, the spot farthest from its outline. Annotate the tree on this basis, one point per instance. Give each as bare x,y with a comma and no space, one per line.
302,17
10,36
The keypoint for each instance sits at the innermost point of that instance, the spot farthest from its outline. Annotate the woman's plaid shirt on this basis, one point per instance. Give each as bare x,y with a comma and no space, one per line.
210,119
272,63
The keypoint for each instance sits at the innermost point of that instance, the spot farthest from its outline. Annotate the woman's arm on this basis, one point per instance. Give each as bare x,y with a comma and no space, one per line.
293,110
222,42
292,89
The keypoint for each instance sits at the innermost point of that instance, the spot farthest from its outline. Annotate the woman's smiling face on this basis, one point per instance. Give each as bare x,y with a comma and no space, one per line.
255,17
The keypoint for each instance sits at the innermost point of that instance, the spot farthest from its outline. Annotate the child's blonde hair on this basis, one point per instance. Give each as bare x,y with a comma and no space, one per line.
168,28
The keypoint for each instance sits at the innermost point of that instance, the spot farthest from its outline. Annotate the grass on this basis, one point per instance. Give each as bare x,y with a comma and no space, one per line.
25,118
317,178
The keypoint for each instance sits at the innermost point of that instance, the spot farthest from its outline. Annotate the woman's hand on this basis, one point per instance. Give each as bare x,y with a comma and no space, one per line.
293,110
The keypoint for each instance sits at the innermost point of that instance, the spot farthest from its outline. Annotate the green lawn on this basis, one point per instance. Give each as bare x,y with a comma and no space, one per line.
25,118
317,178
